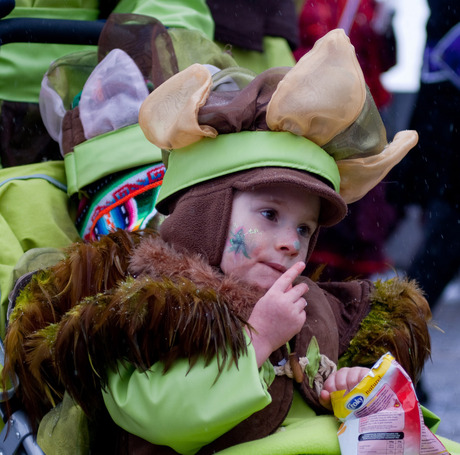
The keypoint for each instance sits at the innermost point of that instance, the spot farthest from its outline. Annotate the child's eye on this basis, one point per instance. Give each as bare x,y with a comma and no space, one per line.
269,214
303,230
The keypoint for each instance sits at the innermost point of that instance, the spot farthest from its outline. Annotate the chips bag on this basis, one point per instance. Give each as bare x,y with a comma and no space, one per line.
382,415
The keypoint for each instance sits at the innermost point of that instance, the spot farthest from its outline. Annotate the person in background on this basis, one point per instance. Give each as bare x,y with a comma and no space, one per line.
428,177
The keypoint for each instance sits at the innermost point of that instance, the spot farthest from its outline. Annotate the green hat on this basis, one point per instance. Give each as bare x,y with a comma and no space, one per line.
318,117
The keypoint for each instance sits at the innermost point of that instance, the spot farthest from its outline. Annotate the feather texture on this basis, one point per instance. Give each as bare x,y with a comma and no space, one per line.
88,268
142,322
397,323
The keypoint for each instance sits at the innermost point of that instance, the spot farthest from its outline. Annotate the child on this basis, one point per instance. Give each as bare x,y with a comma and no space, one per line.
207,337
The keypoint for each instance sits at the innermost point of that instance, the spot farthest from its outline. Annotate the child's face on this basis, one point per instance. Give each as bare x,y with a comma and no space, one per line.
270,230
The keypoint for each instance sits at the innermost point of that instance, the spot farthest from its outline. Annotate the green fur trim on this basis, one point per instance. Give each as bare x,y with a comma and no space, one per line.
49,334
41,279
384,323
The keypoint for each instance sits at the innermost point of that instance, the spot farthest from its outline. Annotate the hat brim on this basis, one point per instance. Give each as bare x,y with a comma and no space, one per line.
198,217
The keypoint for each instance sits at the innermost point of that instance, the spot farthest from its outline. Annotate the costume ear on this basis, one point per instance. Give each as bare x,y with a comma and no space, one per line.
359,175
323,94
112,95
169,115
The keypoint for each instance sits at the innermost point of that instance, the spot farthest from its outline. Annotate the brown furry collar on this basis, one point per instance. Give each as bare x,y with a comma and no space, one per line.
158,260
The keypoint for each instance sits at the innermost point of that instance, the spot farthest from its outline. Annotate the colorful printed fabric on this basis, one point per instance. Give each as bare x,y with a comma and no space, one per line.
121,201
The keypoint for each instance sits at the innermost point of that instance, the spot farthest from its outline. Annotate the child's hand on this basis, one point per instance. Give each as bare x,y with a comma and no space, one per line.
343,379
279,314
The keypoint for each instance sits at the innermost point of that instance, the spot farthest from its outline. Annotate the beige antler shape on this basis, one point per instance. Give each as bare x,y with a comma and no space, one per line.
323,94
359,175
169,115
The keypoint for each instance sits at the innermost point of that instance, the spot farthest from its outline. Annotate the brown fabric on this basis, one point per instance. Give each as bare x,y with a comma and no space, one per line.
320,322
130,444
244,110
261,423
72,130
195,111
206,209
145,40
346,307
346,304
245,23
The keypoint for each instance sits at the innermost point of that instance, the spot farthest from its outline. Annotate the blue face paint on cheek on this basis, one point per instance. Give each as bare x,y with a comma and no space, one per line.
238,243
297,245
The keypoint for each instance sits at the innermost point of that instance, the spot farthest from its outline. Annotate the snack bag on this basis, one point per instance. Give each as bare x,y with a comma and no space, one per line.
382,415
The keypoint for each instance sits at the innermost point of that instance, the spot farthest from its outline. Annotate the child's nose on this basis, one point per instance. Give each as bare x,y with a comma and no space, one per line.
288,242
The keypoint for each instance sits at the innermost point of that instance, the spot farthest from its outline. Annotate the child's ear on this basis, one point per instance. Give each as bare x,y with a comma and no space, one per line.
359,175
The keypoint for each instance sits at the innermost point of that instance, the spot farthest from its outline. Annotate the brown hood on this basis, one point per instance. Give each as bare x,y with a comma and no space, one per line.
199,218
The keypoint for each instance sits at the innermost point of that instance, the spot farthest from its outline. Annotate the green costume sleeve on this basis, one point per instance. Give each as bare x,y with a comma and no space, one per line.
187,409
192,14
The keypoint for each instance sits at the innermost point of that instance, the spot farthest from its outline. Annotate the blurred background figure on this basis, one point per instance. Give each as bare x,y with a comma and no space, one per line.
403,79
355,246
428,177
424,244
259,34
368,23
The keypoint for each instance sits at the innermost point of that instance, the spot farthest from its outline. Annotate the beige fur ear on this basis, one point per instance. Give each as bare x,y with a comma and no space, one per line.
359,175
169,115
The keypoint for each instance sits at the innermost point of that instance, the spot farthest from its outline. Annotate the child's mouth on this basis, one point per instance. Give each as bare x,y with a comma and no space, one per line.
275,266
